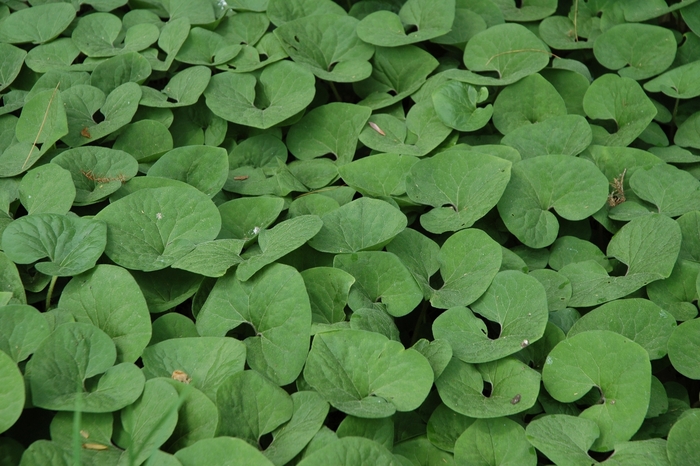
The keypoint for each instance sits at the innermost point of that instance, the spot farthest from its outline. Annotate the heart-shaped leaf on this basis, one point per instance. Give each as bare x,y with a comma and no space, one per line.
366,374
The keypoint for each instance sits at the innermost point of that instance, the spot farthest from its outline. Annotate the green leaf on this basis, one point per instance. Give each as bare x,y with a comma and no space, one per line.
54,55
514,387
283,11
397,72
367,375
557,287
196,12
37,24
566,134
382,281
649,247
527,10
679,82
41,124
683,348
564,439
380,430
10,281
96,172
150,420
246,217
509,50
420,256
328,46
673,191
204,167
461,185
621,99
275,303
677,293
73,353
363,224
183,89
573,187
420,449
328,290
212,258
516,302
197,417
206,361
72,244
22,330
113,72
333,128
12,395
350,451
164,289
423,18
529,101
288,440
683,439
456,105
152,228
437,352
82,104
276,242
616,368
282,90
12,59
491,442
637,51
100,35
559,33
469,260
109,298
421,132
445,426
221,451
47,189
569,250
144,140
640,320
251,406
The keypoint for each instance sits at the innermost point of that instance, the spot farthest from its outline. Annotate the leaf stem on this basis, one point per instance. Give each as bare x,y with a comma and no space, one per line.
335,91
77,423
50,291
419,322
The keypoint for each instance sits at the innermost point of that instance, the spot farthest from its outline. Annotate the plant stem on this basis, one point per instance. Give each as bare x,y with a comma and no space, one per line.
50,292
419,323
335,91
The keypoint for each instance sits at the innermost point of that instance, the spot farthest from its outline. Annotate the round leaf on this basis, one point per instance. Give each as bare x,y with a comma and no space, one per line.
152,228
359,225
367,375
275,303
609,363
47,189
469,260
514,301
72,244
22,330
251,406
461,185
73,353
574,187
683,438
221,451
109,298
12,392
640,320
637,51
37,24
514,388
494,441
206,361
282,90
381,281
683,348
204,167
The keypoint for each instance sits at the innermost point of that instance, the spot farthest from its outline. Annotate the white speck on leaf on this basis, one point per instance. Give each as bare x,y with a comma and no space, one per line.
159,216
549,360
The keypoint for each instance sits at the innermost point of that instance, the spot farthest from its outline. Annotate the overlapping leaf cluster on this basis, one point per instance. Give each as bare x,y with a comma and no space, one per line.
376,232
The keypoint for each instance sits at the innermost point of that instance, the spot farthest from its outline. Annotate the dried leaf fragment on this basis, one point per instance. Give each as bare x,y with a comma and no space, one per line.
95,446
617,196
377,128
180,376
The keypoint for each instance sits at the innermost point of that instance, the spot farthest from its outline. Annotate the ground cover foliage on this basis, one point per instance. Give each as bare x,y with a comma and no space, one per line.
267,232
